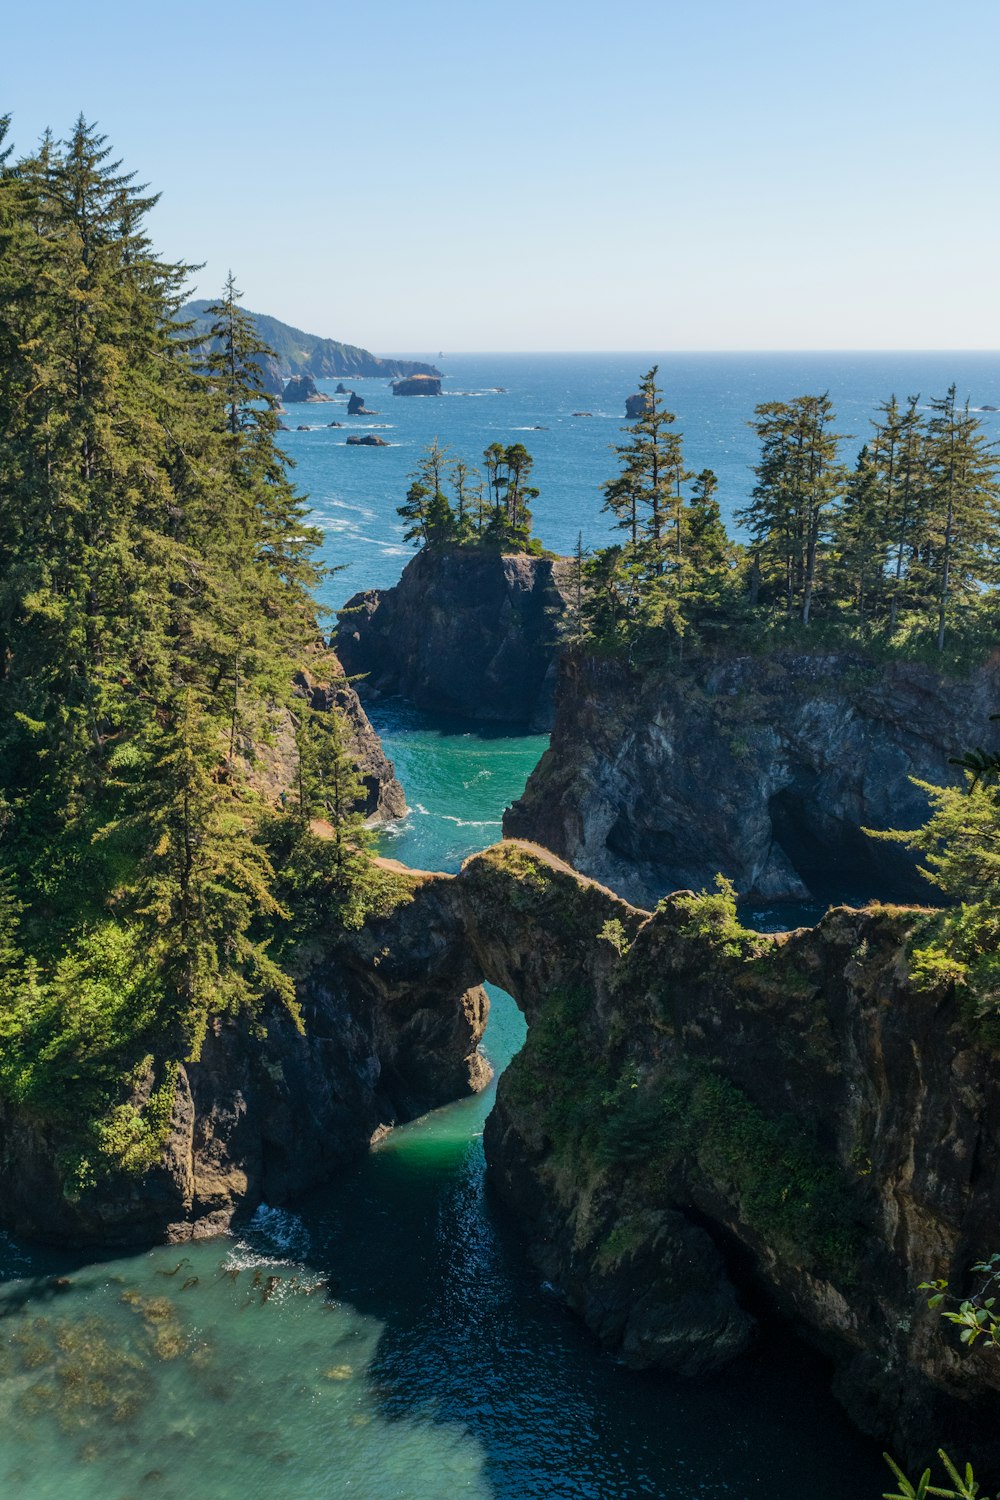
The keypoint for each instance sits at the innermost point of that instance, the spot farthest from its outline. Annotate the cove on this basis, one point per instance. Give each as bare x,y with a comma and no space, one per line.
386,1339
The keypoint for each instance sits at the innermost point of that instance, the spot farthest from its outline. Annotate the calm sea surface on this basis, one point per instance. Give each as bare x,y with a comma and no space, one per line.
387,1340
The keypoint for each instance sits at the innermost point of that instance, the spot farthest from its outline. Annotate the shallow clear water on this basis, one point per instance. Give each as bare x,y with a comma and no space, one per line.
387,1340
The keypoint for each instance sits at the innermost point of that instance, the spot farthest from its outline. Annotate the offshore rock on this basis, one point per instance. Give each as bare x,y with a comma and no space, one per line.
370,440
466,631
356,407
302,388
417,385
765,769
635,407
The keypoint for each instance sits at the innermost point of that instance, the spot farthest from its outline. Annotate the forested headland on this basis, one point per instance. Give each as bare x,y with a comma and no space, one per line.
156,568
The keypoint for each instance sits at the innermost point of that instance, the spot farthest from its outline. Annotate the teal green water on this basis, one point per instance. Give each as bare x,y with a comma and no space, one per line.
458,778
385,1341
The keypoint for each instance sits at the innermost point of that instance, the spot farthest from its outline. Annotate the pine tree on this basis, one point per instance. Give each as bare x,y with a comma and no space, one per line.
963,483
860,541
426,509
799,482
646,495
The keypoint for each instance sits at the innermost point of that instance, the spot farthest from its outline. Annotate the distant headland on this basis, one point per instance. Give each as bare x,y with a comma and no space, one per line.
299,353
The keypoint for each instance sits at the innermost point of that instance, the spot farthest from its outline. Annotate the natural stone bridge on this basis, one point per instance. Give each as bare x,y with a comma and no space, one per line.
698,1111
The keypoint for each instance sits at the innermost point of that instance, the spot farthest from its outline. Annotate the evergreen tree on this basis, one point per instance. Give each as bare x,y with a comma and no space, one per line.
799,482
963,482
426,509
860,540
646,495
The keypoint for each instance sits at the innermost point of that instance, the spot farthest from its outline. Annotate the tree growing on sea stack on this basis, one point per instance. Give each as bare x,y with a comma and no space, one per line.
493,514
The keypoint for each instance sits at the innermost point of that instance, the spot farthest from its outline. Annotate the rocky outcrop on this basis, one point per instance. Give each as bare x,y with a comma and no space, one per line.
708,1125
392,1016
273,765
635,407
302,388
765,769
417,385
370,440
356,407
466,631
385,798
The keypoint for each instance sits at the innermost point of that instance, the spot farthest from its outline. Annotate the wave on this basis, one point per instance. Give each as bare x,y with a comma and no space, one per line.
472,822
274,1237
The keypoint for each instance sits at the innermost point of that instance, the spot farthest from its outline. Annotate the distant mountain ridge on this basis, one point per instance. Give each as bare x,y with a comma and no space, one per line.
299,353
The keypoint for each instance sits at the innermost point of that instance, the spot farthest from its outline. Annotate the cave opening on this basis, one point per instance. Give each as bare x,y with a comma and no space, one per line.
835,859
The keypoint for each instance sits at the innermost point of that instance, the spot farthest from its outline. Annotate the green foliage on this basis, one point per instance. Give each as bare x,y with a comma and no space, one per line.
712,915
963,1485
492,513
787,1192
900,555
960,844
977,1315
613,932
155,573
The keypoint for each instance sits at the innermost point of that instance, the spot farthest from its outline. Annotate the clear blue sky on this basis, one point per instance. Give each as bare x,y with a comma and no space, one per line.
424,174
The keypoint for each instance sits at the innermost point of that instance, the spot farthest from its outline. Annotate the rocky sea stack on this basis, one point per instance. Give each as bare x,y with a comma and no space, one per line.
417,385
466,630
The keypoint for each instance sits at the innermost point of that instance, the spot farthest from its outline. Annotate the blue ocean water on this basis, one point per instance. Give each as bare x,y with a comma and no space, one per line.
386,1339
355,490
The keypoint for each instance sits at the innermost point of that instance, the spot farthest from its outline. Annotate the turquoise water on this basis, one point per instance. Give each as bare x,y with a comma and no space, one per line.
387,1340
458,777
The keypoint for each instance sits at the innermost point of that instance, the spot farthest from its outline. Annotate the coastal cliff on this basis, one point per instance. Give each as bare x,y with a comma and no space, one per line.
708,1125
385,798
392,1015
466,631
765,768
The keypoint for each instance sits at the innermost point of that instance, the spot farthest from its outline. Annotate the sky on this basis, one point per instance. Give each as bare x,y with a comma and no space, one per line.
416,175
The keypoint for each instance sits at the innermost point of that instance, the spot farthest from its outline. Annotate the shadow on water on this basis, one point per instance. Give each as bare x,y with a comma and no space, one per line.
471,1338
388,1340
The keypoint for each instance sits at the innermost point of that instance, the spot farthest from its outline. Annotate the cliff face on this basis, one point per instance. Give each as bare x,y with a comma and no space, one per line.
704,1125
763,768
393,1015
465,631
385,798
700,1114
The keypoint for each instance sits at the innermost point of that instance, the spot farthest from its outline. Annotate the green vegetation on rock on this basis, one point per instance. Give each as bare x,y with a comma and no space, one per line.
155,573
898,554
